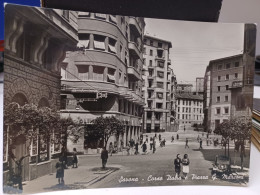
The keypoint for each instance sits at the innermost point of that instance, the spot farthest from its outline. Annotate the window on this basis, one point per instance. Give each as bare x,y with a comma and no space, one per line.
159,53
112,45
83,72
236,64
226,110
83,41
150,63
217,110
99,42
219,78
226,98
151,42
160,74
100,16
218,99
218,88
228,66
160,64
145,40
83,14
219,67
159,105
236,75
227,87
159,45
110,75
160,95
160,85
144,50
157,115
149,115
112,18
227,77
66,14
151,52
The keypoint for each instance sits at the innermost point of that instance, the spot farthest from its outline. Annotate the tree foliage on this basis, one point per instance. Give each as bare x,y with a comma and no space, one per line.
105,127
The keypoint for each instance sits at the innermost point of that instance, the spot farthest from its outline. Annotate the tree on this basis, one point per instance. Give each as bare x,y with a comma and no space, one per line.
25,124
104,128
237,129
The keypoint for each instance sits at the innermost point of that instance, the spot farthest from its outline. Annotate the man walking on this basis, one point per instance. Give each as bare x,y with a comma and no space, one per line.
186,145
104,157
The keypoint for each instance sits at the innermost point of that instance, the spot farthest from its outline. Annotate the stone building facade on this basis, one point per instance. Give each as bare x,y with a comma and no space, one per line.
221,76
189,110
157,85
103,76
35,44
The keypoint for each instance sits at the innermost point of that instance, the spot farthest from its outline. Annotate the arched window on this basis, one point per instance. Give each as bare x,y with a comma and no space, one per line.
20,99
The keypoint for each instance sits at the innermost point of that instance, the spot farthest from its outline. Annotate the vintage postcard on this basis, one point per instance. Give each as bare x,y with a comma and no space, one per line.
95,100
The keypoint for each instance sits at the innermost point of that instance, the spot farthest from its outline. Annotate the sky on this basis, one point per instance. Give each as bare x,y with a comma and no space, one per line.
194,44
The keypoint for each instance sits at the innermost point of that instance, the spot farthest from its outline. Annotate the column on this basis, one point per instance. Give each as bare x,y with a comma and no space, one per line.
90,73
91,41
106,43
105,74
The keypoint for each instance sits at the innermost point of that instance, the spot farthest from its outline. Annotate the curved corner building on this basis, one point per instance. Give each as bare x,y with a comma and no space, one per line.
103,76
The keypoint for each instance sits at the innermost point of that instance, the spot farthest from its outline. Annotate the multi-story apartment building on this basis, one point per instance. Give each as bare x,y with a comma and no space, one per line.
103,77
189,110
157,84
200,85
221,75
35,44
184,88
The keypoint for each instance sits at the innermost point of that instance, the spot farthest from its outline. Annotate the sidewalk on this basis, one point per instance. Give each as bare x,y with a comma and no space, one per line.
75,178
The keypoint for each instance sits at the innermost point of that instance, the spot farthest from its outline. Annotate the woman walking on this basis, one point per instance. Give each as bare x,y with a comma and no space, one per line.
185,166
177,166
60,171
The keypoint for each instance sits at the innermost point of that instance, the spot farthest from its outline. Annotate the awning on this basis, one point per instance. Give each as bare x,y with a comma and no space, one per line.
99,45
83,43
112,48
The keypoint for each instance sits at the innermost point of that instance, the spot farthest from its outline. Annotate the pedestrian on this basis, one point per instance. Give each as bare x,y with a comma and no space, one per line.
136,148
104,157
132,143
122,145
172,139
75,159
185,166
128,149
60,166
200,144
187,142
144,147
151,143
146,139
154,145
177,166
207,140
110,148
155,135
160,137
198,138
164,141
184,128
177,137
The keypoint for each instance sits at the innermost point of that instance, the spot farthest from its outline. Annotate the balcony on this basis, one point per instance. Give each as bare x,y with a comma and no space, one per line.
169,62
133,73
160,58
134,25
134,50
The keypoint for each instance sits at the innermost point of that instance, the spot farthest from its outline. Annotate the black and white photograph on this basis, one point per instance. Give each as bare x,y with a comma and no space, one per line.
96,100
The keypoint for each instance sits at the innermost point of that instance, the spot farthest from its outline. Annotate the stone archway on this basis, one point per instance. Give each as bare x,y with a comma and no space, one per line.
19,90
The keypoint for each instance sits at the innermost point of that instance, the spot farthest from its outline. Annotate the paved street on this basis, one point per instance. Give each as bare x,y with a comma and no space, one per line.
146,170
